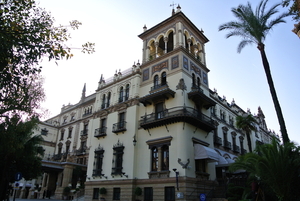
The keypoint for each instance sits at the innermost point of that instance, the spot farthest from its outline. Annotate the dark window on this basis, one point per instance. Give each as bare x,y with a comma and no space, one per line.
103,126
154,159
59,150
163,78
127,92
194,80
148,194
169,193
96,193
98,163
67,149
159,110
121,120
70,133
118,160
198,82
121,94
116,193
200,165
44,131
62,135
165,157
108,99
155,81
103,102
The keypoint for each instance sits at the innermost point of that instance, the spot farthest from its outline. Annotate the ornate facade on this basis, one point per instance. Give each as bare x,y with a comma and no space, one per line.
157,126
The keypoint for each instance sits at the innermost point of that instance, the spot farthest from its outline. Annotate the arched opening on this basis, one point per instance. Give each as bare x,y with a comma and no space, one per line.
127,92
121,94
155,81
163,78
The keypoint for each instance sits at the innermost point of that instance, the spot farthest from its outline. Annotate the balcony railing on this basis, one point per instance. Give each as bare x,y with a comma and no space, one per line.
177,114
227,144
119,127
100,132
236,148
84,132
157,86
97,172
217,140
80,151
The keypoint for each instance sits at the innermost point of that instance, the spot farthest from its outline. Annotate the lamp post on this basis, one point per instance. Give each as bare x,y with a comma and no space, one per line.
177,173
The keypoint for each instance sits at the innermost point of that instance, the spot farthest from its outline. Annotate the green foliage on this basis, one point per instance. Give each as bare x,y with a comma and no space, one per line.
19,149
138,191
234,193
275,166
247,124
66,190
27,34
253,27
102,191
294,8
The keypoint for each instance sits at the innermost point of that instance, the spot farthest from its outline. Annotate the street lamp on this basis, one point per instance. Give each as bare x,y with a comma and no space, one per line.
177,173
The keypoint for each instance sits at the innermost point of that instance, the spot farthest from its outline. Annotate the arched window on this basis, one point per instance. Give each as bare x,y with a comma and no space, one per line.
155,81
108,99
163,78
127,92
154,166
165,157
198,82
121,95
193,80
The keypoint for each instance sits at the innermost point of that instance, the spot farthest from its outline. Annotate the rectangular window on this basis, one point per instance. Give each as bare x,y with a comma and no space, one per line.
118,160
98,163
170,193
62,135
122,120
148,194
103,126
96,193
200,165
70,133
159,110
116,193
44,131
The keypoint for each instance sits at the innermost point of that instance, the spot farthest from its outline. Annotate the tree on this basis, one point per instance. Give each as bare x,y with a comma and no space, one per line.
27,34
294,8
247,124
253,27
19,150
274,166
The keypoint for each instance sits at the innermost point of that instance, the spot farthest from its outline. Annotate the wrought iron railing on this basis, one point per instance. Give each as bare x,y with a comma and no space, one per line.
236,148
157,86
217,140
227,144
100,131
84,132
176,111
120,126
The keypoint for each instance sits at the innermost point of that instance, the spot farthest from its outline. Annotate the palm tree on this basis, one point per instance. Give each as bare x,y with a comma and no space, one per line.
274,166
247,124
253,27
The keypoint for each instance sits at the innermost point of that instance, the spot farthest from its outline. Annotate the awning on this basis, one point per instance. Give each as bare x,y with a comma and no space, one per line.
202,152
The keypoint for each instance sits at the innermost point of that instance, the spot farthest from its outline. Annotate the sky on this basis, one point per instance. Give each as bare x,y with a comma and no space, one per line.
114,26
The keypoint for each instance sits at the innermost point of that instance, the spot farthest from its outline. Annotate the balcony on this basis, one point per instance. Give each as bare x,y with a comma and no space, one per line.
227,144
80,151
217,140
97,172
236,148
100,132
197,95
119,127
84,132
177,114
156,92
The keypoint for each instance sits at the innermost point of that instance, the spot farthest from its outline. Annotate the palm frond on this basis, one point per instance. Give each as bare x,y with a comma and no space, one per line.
242,44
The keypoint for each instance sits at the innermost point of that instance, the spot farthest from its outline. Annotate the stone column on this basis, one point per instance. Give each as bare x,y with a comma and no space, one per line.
31,190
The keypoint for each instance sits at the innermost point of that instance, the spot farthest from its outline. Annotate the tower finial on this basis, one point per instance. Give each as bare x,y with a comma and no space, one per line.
172,5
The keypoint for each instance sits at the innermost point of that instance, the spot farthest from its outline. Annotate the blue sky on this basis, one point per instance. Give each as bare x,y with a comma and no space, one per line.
114,25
